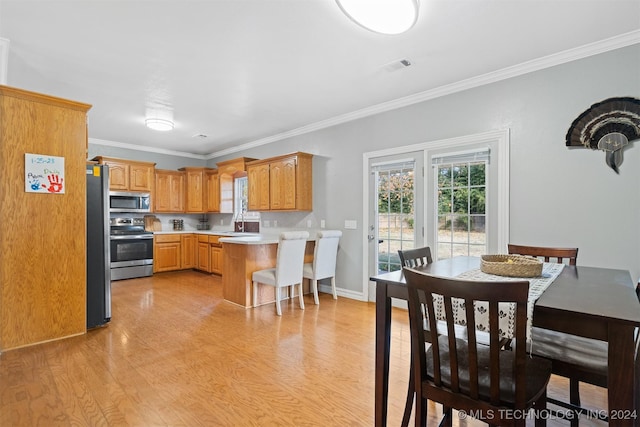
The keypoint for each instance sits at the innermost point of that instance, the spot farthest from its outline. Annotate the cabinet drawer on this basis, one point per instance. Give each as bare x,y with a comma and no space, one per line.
167,238
203,238
214,240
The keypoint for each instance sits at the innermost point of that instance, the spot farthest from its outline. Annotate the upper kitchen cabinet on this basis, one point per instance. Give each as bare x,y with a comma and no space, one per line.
128,175
169,191
43,269
213,191
228,171
281,183
196,200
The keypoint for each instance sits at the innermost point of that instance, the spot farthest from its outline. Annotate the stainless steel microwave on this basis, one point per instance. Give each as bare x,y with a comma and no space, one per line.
122,201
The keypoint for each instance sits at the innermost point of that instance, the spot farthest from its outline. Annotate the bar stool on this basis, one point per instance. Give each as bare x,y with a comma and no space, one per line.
288,269
324,261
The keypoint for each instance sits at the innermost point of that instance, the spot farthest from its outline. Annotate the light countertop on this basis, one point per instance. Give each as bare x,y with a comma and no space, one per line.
237,237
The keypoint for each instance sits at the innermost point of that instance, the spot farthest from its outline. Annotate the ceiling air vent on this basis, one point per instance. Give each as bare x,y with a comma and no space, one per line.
397,64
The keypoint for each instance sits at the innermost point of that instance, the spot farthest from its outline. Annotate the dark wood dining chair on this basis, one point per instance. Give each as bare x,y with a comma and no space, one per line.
413,258
576,358
484,381
558,255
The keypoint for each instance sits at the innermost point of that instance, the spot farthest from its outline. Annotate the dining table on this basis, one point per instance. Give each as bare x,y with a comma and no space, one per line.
592,302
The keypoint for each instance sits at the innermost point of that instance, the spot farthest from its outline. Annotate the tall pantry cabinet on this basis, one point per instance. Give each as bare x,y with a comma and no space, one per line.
43,238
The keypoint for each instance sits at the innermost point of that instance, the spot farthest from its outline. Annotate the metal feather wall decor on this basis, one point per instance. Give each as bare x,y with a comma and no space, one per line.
609,125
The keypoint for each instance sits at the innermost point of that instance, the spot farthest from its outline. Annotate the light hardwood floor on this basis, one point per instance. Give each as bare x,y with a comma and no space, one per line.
176,354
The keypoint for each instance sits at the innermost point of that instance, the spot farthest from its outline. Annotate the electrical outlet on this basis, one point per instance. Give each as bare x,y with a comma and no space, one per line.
275,222
322,224
221,222
266,223
308,223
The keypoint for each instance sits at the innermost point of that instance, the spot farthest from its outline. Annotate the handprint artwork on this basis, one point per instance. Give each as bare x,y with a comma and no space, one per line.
55,184
44,174
35,184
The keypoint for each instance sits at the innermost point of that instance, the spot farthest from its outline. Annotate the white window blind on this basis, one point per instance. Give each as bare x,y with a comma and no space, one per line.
480,155
398,164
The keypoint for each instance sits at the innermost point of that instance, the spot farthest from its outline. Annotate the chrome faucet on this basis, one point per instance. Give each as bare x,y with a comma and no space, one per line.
242,220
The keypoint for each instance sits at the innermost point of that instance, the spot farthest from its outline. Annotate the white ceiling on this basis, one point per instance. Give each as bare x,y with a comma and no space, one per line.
246,72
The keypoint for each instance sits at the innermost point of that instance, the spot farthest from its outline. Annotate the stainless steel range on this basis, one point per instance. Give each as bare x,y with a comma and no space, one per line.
131,249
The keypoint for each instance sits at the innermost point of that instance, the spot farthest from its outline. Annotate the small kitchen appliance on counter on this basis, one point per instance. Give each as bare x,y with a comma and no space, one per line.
203,223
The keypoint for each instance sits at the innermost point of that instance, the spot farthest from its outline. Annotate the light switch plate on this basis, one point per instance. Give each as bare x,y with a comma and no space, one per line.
350,224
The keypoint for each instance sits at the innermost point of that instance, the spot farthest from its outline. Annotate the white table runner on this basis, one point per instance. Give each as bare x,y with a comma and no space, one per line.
537,285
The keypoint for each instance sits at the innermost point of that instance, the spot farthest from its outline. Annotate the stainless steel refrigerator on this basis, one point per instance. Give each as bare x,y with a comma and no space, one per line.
98,247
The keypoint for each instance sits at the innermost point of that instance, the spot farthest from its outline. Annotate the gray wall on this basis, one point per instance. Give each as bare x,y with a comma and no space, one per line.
559,197
162,161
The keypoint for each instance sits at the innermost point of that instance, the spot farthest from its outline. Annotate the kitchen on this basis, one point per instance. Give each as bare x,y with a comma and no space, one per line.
230,188
536,104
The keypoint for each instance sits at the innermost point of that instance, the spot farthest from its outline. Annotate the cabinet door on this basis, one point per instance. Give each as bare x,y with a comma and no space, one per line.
118,176
166,257
176,193
140,177
258,191
215,265
213,192
169,191
163,192
195,191
282,175
189,245
203,256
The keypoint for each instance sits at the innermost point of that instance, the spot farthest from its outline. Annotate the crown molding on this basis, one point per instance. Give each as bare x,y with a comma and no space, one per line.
108,143
591,49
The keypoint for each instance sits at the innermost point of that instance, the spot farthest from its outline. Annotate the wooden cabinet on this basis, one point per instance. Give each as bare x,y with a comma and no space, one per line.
209,254
169,191
128,175
118,175
195,189
188,248
203,253
289,183
215,255
43,285
258,182
213,191
166,252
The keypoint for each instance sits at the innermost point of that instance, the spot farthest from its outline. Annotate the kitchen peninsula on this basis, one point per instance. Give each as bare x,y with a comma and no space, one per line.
244,255
241,254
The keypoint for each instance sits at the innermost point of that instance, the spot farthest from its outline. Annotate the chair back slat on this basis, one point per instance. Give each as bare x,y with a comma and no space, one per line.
546,253
474,389
459,368
417,257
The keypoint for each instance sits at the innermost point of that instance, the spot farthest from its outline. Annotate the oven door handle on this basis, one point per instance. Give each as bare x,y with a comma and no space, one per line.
130,237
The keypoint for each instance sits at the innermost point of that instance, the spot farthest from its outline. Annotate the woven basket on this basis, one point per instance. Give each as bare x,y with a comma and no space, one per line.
511,265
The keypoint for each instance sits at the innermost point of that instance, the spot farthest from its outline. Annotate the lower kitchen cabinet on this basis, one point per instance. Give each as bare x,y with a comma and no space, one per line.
203,253
215,254
166,252
189,247
184,251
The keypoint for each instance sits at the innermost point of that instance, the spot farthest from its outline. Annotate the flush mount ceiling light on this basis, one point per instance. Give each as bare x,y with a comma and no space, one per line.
382,16
159,124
